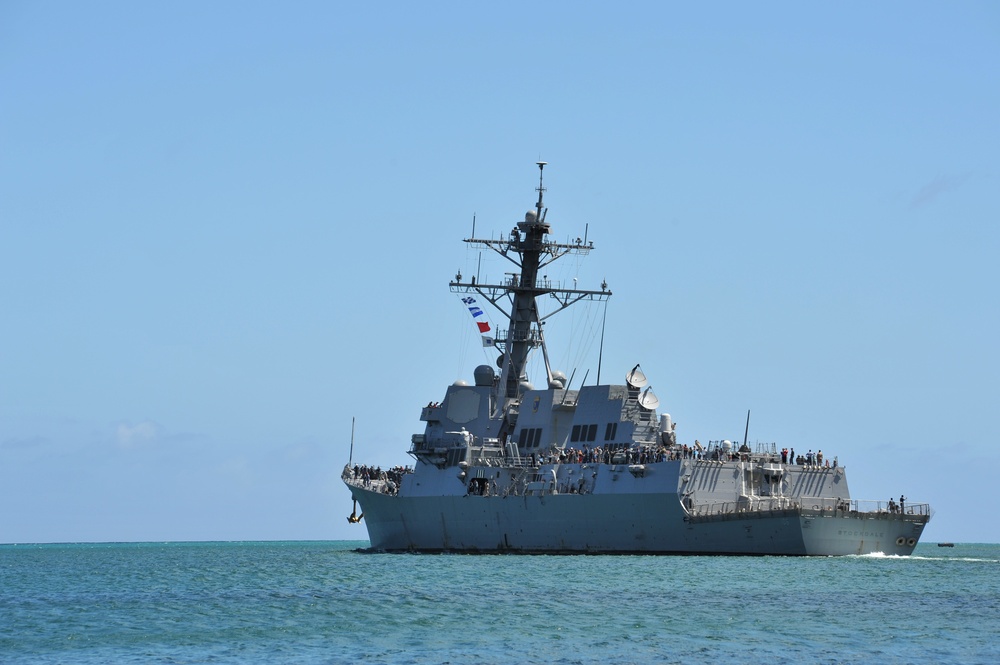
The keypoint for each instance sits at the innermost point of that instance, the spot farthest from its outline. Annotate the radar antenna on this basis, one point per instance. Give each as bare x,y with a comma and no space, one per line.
538,206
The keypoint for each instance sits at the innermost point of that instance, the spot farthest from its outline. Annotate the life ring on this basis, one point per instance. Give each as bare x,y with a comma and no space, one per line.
815,507
900,541
911,542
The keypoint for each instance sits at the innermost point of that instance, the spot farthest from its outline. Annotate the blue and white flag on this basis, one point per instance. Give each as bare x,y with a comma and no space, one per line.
476,312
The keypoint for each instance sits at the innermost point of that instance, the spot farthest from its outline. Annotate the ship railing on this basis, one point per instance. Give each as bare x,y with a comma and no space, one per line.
716,451
758,505
380,485
804,505
502,462
767,449
386,481
530,336
890,507
765,452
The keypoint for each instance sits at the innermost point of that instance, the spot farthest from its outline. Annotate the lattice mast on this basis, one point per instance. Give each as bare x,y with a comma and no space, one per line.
527,248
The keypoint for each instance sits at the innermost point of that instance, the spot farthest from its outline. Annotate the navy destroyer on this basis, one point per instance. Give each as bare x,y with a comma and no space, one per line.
503,466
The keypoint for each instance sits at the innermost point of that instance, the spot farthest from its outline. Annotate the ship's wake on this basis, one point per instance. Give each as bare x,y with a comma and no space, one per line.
911,557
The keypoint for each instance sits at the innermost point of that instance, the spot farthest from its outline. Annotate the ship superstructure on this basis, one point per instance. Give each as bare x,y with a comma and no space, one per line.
503,466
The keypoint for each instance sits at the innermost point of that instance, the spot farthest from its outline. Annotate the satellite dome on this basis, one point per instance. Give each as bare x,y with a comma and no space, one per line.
461,382
484,375
530,216
558,380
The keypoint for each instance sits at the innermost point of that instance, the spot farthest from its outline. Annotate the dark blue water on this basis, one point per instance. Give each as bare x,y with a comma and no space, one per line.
322,602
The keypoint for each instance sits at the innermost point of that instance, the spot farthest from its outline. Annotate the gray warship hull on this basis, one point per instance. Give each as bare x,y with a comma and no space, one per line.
504,467
639,513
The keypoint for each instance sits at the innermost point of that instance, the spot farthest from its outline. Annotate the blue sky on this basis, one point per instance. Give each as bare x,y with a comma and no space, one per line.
226,229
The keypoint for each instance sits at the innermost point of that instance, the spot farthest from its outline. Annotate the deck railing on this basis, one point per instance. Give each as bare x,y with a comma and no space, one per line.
805,505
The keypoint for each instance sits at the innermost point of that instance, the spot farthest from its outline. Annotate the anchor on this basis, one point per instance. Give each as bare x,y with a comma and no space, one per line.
354,518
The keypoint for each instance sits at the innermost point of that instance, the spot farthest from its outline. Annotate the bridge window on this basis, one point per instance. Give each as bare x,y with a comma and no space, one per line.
529,437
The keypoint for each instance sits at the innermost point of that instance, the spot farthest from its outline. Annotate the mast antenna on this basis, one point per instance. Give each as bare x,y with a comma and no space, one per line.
600,353
350,457
541,190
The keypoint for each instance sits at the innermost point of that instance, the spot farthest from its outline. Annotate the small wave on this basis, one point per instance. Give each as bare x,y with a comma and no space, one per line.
967,559
913,557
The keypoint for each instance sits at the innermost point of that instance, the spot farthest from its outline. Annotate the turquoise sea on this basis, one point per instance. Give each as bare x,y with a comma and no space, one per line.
323,602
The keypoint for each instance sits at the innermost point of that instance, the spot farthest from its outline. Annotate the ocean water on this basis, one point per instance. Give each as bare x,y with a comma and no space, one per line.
323,602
